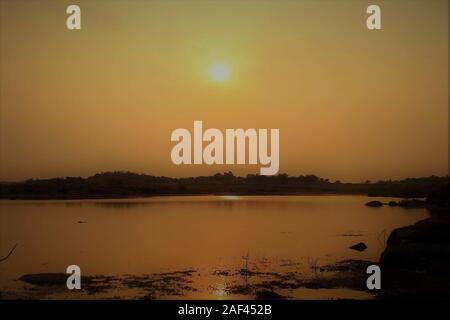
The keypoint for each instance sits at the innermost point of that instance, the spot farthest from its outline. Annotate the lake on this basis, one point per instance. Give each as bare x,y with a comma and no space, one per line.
196,247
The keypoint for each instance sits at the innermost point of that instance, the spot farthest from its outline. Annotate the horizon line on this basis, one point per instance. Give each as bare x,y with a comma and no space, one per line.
324,179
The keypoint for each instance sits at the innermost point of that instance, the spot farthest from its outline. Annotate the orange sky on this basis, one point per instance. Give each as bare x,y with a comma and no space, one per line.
350,103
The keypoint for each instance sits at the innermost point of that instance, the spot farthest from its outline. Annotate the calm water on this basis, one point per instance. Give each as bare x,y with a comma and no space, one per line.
209,234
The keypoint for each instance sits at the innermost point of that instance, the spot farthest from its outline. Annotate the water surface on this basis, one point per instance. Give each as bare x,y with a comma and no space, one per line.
214,236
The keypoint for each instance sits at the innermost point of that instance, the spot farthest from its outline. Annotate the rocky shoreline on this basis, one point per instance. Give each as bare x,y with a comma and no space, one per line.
416,261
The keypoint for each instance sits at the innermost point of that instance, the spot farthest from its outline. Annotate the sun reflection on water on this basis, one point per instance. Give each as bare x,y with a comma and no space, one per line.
231,197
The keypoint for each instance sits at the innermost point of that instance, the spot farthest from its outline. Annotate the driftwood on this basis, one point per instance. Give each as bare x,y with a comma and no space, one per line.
9,254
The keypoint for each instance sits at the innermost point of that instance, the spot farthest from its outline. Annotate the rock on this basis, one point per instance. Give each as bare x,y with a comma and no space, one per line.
412,203
374,204
52,279
361,246
430,230
416,260
425,245
45,279
417,256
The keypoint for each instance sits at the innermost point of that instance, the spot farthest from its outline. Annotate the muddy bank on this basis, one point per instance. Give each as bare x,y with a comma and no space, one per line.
150,286
245,283
346,274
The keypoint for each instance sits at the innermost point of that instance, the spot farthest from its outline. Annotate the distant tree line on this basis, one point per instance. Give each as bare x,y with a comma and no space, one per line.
129,184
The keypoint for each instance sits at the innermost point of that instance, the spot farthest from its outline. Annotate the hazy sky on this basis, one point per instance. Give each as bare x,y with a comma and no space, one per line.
350,103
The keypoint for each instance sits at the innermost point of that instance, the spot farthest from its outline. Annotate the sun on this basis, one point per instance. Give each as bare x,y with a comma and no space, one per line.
219,72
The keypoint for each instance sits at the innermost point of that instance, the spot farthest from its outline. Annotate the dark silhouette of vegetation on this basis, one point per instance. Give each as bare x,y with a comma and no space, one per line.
9,254
127,184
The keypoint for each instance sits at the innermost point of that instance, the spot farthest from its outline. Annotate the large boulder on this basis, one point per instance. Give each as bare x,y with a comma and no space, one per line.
416,261
423,246
434,230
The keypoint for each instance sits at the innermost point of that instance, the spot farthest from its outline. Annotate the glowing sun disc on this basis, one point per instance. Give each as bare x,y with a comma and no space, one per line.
219,72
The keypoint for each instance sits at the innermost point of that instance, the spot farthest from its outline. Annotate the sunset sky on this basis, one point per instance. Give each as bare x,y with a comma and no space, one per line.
351,103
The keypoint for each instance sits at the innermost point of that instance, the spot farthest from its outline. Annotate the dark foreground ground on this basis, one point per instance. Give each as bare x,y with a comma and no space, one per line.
238,284
416,261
